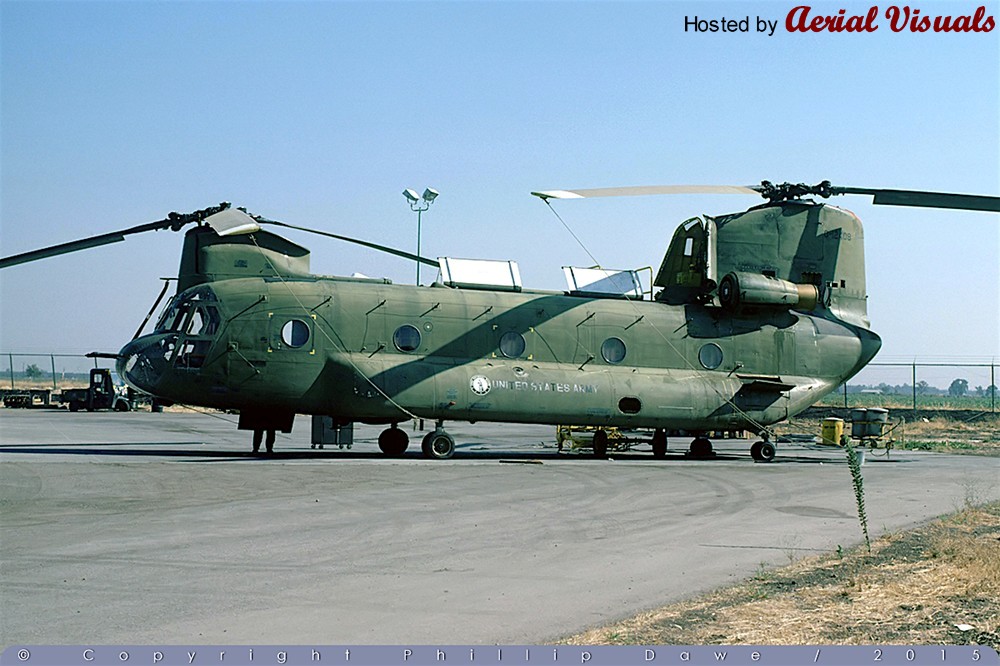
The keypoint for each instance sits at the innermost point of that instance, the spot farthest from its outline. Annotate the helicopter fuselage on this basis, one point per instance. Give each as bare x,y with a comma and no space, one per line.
370,351
753,317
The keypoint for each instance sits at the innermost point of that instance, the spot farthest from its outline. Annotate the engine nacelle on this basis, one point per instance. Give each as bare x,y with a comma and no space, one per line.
737,290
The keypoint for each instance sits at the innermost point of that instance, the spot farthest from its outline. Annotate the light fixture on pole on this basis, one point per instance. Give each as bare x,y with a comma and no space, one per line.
419,204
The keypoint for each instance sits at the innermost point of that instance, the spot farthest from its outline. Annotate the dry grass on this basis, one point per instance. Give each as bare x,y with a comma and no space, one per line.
981,435
914,589
976,433
44,383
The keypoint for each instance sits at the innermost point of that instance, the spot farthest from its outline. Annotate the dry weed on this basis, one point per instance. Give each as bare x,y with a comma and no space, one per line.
915,588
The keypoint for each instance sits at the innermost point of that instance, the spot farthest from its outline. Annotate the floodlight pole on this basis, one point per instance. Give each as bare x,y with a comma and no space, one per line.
419,206
420,211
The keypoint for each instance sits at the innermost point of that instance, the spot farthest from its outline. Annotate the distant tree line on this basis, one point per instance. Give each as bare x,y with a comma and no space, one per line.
958,388
34,372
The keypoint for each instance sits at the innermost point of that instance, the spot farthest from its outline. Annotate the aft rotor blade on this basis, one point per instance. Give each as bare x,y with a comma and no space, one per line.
919,198
643,190
374,246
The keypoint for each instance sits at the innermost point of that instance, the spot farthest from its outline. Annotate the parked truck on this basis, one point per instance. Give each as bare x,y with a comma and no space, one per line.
101,394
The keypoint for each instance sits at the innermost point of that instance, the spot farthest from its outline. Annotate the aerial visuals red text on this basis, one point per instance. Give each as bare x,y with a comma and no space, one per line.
898,18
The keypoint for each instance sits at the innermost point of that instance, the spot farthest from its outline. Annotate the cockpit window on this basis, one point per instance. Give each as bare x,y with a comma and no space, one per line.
193,314
178,314
193,354
204,321
197,322
172,317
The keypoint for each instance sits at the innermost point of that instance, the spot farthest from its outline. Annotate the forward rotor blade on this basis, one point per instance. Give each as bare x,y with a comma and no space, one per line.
82,244
63,248
374,246
923,199
643,190
173,221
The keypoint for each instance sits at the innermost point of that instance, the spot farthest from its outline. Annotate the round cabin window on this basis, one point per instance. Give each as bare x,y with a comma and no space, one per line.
710,356
406,338
295,333
512,344
613,350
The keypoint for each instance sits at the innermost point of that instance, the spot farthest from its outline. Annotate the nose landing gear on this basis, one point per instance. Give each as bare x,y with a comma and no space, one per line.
701,448
659,443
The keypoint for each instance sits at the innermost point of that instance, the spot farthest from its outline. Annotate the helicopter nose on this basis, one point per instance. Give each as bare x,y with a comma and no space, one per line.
143,362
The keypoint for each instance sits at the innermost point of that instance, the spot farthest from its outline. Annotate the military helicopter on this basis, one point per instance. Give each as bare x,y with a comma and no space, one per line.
757,316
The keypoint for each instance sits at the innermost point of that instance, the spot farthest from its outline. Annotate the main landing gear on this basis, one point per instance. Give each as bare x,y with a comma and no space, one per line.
600,443
762,451
393,441
701,448
436,444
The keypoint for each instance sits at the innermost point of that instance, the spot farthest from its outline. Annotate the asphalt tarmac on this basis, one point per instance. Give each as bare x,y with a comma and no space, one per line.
144,528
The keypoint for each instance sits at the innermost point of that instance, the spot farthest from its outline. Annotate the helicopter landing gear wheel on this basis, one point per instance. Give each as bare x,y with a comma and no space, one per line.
659,443
438,445
701,448
601,444
393,441
762,451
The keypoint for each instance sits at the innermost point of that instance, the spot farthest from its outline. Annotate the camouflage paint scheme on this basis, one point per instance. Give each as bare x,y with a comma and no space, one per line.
758,315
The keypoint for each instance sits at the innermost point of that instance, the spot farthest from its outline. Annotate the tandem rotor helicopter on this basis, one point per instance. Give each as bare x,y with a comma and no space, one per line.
757,315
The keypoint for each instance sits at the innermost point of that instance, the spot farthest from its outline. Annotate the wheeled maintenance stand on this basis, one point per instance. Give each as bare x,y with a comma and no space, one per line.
325,432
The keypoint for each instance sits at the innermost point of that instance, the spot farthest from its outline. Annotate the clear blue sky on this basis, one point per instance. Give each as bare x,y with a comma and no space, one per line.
319,114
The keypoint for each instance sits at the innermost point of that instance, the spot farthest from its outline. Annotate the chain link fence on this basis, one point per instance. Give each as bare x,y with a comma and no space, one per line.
917,385
922,386
48,371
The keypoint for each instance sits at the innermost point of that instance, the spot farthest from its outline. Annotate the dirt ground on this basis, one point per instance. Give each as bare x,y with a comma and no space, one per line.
939,584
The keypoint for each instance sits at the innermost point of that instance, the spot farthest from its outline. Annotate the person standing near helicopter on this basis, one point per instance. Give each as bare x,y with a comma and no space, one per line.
261,421
258,435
